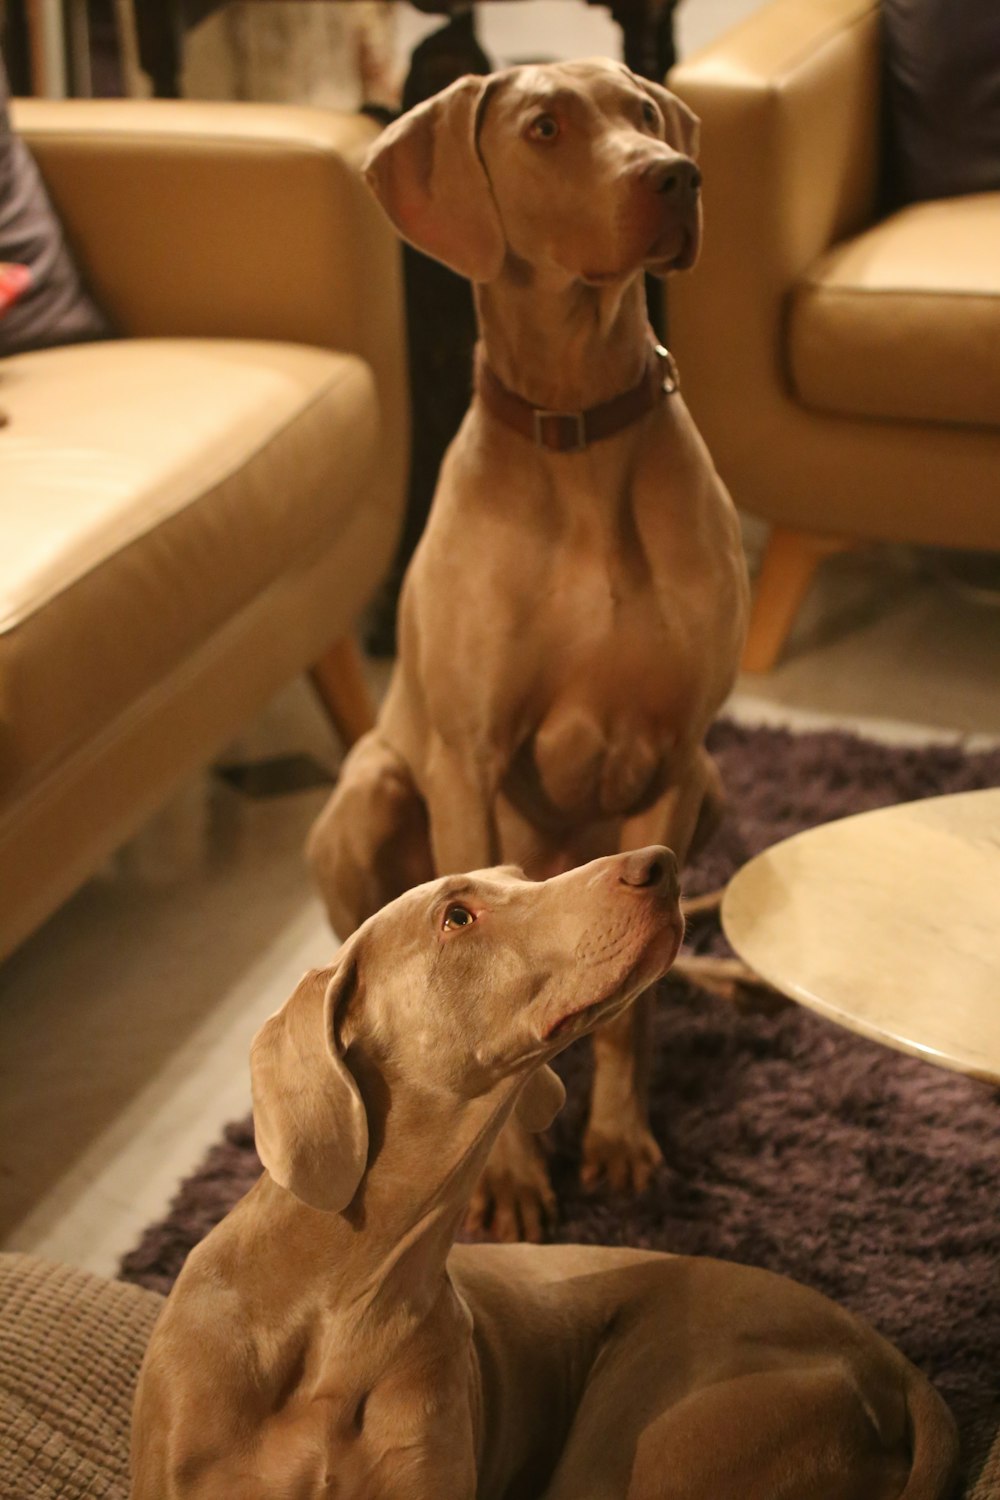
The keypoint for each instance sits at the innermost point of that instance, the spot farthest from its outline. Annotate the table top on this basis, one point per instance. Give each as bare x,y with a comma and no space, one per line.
888,923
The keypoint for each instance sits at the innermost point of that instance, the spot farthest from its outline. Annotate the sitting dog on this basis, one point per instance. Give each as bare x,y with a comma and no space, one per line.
327,1340
575,612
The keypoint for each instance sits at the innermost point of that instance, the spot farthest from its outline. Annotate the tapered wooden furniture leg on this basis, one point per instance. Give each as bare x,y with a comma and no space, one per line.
786,574
47,48
339,680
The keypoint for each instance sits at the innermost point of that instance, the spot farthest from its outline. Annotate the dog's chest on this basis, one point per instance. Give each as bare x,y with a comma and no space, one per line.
589,761
398,1442
600,612
616,684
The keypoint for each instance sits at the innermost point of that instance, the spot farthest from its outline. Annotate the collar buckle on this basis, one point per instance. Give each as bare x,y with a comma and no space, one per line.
565,431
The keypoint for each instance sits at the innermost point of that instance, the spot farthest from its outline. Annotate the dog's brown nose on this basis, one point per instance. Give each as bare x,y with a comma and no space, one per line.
677,178
652,869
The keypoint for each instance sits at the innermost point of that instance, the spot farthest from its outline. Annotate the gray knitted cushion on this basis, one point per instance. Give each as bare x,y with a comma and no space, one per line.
70,1349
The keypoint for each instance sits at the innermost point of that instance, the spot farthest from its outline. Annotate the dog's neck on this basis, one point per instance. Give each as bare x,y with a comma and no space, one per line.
384,1258
410,1206
560,344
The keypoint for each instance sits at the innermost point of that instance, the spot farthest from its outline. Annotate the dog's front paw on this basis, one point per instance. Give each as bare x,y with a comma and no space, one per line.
513,1199
623,1159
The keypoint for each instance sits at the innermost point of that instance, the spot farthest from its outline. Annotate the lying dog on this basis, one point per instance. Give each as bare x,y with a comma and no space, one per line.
575,612
327,1340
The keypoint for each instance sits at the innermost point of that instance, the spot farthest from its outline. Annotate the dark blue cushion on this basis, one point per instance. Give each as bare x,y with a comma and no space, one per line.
943,97
56,309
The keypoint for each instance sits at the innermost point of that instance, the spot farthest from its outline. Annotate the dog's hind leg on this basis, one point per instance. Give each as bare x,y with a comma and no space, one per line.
371,842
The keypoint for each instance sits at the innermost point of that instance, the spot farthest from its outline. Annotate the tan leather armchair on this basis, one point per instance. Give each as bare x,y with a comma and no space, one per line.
194,513
843,367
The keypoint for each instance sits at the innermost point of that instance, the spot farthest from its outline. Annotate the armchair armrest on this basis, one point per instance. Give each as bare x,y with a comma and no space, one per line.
790,110
215,219
229,220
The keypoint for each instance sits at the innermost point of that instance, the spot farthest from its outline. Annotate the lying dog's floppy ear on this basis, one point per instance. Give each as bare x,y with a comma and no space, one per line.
309,1117
426,172
683,125
541,1099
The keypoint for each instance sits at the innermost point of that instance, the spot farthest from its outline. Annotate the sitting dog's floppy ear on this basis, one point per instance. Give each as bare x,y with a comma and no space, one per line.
541,1099
683,125
309,1117
426,172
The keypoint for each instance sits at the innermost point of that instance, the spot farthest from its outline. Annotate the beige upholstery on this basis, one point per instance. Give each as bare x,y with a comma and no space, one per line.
191,514
809,387
70,1349
154,507
903,321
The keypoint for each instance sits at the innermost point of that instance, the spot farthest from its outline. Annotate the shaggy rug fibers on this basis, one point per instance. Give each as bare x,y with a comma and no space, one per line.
788,1142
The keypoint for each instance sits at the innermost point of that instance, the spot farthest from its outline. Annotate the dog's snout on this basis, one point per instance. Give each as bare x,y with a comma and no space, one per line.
652,869
677,178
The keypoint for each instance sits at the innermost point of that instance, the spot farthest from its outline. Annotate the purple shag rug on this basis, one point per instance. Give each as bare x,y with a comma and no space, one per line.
788,1142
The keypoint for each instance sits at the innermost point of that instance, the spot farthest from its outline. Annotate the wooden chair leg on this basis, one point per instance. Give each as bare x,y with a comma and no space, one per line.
47,48
339,679
786,574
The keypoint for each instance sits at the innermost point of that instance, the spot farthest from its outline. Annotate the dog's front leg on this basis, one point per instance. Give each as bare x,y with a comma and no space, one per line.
619,1146
460,790
513,1199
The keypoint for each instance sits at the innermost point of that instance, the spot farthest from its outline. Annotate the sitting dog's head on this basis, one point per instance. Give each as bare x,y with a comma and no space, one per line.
450,990
580,168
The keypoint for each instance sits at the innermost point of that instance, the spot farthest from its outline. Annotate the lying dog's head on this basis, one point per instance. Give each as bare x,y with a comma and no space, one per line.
450,990
581,168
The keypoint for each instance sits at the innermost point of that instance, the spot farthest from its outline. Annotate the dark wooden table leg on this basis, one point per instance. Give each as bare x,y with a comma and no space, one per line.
648,35
14,45
160,25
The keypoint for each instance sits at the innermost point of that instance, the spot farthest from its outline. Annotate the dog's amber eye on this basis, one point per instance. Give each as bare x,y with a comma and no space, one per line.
543,128
457,916
651,114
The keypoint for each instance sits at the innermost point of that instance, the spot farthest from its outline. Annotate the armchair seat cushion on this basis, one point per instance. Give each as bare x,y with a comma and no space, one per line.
150,489
903,321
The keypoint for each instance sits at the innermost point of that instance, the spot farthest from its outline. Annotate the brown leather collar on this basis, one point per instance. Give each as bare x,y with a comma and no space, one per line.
572,431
